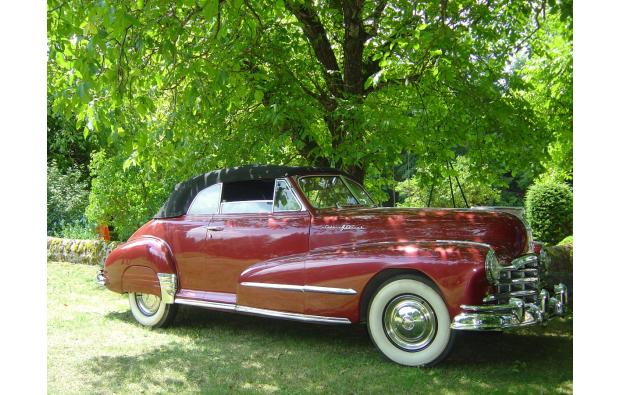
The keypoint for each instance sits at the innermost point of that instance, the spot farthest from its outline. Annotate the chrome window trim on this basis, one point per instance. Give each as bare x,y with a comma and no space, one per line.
290,187
198,194
318,319
301,288
330,175
346,180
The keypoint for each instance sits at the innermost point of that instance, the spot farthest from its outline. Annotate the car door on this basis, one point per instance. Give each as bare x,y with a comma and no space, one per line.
250,229
189,233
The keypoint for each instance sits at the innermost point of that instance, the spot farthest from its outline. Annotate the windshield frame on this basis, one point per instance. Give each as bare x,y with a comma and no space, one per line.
344,180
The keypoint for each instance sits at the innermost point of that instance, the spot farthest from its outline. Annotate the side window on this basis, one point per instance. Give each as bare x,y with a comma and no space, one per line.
284,199
246,197
207,201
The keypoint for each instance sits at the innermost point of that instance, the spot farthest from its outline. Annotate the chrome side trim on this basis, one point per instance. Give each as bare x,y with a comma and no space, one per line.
167,286
208,305
475,243
301,288
318,319
330,290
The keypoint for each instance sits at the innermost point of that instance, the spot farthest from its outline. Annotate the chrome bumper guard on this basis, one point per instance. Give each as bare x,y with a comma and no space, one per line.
100,278
514,314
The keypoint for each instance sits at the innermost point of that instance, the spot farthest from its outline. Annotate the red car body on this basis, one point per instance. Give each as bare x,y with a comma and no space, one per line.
348,248
309,245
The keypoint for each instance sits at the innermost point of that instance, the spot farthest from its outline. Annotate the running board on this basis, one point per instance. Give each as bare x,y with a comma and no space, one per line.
317,319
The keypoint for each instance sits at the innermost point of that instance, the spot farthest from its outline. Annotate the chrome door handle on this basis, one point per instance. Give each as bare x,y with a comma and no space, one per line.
215,228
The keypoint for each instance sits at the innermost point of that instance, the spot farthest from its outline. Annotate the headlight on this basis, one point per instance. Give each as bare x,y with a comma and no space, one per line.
492,267
527,260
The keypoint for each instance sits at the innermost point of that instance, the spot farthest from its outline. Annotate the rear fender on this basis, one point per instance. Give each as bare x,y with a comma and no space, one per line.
137,265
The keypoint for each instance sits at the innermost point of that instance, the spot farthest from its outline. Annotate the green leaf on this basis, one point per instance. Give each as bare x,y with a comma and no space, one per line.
210,9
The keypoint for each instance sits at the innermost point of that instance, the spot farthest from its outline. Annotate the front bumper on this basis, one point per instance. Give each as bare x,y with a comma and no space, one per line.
514,314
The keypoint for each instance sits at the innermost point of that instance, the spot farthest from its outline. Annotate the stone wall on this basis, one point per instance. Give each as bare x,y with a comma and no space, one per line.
88,252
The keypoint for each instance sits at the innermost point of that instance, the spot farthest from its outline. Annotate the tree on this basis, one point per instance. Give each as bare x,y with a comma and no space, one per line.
345,83
548,70
178,88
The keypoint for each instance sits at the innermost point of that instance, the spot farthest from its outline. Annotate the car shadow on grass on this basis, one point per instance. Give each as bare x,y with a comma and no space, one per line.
220,351
551,344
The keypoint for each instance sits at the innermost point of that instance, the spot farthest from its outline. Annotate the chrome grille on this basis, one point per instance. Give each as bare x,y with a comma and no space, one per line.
519,280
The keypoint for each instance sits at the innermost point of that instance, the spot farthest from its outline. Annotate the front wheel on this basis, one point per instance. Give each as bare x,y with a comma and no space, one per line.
149,311
409,322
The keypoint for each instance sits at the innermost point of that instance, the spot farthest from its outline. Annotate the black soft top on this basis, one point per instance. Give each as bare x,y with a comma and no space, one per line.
184,193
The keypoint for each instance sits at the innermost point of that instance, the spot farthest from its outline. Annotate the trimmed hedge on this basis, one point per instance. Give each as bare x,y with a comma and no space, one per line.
549,211
88,252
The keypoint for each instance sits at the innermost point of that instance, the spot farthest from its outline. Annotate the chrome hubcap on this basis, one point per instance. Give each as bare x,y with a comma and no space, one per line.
148,304
409,322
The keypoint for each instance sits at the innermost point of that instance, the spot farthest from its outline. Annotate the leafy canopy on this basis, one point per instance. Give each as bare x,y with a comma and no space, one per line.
175,88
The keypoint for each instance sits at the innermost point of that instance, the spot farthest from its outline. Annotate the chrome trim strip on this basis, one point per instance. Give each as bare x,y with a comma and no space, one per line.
301,288
292,316
318,319
167,287
330,290
208,305
464,242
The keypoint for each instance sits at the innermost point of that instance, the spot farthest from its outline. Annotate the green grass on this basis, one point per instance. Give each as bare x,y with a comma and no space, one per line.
94,346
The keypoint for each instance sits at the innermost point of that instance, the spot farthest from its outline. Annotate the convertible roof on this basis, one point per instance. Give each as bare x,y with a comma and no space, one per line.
179,201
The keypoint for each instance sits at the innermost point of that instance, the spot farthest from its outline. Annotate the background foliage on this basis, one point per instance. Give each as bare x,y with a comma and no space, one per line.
156,91
549,211
67,197
446,192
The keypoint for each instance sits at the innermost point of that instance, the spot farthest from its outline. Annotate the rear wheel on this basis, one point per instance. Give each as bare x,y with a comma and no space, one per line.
409,322
149,311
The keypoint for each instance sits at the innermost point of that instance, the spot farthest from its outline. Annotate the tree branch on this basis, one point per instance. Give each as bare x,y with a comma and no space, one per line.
316,34
354,37
375,17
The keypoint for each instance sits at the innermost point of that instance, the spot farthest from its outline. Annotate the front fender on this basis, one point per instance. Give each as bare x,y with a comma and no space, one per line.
456,268
133,266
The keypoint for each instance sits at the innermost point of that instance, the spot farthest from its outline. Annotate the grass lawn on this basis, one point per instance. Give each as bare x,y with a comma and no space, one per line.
95,346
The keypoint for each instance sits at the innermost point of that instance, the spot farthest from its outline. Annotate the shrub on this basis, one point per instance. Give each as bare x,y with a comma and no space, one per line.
123,198
79,229
67,197
549,210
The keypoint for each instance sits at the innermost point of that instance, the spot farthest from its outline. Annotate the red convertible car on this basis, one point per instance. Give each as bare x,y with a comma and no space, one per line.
309,244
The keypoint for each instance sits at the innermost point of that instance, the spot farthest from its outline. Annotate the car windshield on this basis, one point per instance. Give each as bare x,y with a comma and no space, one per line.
332,191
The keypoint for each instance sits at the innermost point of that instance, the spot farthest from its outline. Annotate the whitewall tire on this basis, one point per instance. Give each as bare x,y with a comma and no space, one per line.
409,322
149,311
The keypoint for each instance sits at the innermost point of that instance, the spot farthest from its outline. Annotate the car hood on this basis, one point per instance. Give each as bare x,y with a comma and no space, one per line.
504,232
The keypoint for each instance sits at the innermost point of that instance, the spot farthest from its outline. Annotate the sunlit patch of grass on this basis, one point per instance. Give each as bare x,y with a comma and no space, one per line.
95,346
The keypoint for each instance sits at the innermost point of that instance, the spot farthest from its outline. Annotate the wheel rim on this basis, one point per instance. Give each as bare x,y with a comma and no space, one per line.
410,322
148,304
